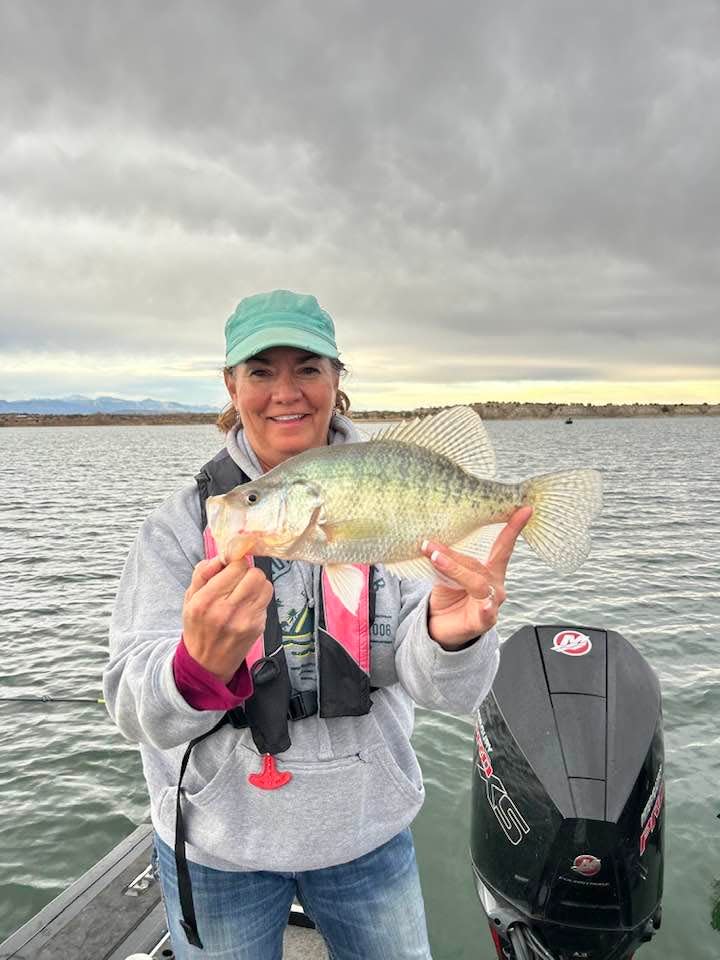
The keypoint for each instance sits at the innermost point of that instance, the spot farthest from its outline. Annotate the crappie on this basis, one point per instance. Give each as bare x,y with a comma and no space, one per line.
375,502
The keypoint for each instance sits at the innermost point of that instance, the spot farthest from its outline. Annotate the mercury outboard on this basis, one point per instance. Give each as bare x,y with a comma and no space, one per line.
567,800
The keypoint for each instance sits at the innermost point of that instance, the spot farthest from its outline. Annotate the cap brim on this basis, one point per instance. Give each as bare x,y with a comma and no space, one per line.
280,337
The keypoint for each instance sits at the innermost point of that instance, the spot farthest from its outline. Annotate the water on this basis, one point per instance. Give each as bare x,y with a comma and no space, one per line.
71,787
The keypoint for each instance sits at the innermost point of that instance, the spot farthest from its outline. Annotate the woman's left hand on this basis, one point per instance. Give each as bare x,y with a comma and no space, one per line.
457,614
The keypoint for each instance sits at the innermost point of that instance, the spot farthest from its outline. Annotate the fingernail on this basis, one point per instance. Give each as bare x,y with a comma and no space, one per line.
439,559
424,545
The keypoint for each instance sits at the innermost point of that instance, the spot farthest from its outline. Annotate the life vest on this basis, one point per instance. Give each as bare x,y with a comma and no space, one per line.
343,669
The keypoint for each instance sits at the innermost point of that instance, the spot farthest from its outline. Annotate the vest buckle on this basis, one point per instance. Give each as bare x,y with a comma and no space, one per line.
303,704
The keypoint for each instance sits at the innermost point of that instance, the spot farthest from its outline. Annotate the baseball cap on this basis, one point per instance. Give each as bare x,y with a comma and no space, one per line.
278,319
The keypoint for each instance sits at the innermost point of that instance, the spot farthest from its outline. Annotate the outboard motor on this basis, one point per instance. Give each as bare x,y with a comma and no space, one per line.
567,800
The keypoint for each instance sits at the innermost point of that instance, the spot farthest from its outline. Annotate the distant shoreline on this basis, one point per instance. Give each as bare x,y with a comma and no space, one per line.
488,411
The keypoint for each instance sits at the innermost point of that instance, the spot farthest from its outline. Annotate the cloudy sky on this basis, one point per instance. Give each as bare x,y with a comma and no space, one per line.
494,200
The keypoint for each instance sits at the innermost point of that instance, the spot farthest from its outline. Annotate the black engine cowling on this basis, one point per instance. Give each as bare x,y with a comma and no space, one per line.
568,792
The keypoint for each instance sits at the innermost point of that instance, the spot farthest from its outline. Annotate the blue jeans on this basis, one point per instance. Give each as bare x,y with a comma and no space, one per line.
369,909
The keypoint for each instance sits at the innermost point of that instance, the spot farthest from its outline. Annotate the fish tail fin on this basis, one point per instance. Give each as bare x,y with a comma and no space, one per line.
564,505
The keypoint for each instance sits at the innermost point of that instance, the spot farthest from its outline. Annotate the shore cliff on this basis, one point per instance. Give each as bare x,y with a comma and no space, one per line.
513,410
492,410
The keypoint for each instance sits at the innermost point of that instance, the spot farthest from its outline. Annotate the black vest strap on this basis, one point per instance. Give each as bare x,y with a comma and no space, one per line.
268,725
187,906
218,476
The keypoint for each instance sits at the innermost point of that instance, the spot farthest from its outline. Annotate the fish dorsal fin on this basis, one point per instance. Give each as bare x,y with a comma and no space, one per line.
457,433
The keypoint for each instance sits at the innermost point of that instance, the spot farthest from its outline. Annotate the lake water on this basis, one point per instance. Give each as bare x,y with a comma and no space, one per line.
71,501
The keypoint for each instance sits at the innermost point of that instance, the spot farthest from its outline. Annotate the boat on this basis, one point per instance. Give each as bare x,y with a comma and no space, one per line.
114,911
569,420
567,821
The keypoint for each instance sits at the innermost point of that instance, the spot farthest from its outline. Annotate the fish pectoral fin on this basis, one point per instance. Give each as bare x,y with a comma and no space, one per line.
347,584
357,529
457,433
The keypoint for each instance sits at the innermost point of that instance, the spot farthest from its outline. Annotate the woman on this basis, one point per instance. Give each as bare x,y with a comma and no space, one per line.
307,791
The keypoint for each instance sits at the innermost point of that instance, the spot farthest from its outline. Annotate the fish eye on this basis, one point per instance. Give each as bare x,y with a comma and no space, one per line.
251,497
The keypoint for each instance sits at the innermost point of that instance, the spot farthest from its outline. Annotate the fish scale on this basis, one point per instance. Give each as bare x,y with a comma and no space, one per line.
403,494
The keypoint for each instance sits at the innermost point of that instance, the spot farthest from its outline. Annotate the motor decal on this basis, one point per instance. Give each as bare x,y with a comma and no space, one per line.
587,865
648,820
506,813
511,821
572,642
484,747
647,809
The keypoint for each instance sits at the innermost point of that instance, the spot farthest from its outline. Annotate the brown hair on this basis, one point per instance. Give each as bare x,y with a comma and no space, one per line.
229,416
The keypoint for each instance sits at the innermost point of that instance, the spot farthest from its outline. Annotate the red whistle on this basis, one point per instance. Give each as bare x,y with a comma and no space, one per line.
270,778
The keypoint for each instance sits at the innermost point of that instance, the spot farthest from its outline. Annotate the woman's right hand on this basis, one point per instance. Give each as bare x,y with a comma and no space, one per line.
224,613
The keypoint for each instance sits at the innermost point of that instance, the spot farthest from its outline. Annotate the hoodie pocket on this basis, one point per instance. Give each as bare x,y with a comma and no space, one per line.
244,761
331,811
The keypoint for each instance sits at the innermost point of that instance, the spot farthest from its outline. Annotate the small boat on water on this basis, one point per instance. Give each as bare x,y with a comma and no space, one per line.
569,420
567,821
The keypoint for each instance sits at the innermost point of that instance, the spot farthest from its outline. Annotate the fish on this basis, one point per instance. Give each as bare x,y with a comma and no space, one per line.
376,501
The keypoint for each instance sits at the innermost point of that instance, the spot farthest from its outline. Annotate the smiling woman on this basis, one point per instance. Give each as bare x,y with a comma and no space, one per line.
274,722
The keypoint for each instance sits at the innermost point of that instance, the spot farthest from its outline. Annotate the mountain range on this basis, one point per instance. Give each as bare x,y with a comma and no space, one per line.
80,404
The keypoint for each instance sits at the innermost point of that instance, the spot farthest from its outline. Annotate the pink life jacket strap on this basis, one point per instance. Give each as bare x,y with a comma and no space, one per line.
211,549
352,631
343,653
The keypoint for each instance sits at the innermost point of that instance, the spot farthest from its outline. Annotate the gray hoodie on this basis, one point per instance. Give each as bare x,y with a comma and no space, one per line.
356,780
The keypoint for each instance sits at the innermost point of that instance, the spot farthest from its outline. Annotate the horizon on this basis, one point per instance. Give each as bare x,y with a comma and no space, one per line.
404,396
423,401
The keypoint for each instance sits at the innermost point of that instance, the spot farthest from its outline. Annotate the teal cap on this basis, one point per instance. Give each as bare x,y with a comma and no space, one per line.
278,319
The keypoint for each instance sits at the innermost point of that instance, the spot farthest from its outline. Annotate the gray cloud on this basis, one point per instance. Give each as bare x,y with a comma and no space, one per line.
489,191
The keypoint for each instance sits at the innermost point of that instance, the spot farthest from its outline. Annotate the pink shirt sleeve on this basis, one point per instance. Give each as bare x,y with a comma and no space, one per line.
202,689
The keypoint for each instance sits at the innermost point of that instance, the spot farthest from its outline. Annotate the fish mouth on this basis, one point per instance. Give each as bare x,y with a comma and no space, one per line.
239,546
